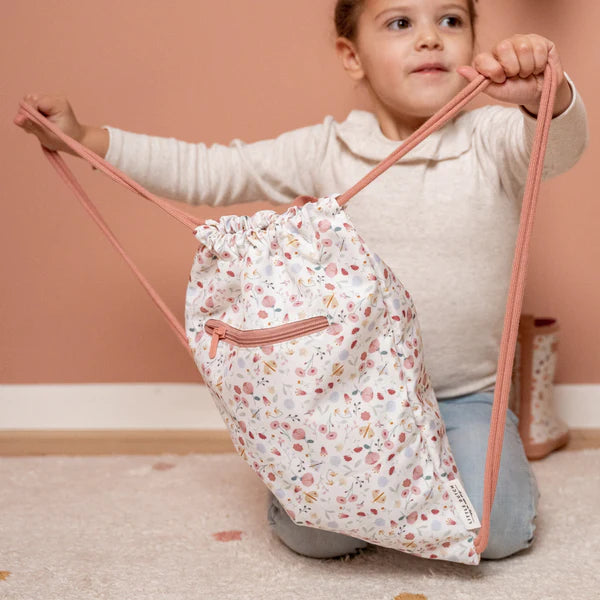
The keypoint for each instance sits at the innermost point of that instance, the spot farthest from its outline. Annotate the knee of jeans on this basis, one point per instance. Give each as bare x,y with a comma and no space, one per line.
510,535
310,541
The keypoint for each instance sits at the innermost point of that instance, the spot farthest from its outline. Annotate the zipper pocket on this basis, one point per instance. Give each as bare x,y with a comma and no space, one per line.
259,337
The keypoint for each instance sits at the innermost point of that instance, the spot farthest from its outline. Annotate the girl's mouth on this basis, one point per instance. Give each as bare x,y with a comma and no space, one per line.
430,71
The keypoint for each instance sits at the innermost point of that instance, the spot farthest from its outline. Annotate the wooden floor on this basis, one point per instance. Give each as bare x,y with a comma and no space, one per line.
100,442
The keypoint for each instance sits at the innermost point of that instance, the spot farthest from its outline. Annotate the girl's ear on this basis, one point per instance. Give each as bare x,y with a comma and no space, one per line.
348,54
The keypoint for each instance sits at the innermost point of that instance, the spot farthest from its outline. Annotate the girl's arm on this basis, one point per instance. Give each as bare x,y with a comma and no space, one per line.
275,170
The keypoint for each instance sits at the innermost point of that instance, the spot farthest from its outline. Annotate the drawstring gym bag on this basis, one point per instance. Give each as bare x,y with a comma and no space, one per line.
311,349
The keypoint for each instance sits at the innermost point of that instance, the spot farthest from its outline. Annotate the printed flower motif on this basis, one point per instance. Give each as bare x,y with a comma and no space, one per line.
372,458
268,301
307,479
374,345
334,329
331,270
367,394
298,434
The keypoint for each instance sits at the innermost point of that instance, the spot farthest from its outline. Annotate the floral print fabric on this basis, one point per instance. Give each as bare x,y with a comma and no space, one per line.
342,425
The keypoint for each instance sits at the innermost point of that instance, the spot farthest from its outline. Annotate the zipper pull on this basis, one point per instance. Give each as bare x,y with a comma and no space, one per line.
218,334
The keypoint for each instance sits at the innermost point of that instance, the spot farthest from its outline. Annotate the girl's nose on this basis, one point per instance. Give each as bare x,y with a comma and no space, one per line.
428,38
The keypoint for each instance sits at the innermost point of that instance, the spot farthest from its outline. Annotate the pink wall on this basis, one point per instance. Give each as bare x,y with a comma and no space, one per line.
212,71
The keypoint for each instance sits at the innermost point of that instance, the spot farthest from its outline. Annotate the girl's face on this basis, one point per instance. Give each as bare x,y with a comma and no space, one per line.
396,37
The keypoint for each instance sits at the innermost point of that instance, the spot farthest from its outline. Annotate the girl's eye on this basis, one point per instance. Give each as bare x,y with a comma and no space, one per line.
457,20
397,21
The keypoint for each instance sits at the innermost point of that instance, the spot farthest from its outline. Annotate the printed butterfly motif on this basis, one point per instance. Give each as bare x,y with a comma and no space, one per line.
338,369
366,431
378,496
330,301
310,496
270,367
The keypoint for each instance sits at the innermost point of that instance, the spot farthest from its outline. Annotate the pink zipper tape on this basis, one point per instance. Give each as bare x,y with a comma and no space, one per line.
260,337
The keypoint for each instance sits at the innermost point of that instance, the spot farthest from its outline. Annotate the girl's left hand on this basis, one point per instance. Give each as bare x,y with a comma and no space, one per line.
516,67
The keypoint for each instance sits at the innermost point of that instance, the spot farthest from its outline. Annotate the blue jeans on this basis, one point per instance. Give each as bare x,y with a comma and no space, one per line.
467,419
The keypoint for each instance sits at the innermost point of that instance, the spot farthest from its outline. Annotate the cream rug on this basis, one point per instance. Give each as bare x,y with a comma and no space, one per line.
194,527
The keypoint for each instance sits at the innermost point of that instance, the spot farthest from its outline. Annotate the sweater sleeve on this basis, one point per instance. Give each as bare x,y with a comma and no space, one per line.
275,170
505,137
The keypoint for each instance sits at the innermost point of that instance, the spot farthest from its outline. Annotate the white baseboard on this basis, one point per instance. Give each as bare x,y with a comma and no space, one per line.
184,406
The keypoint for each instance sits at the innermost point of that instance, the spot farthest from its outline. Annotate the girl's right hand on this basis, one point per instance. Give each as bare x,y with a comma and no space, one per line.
57,110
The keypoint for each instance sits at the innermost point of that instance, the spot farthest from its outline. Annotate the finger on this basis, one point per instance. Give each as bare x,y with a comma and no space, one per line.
505,54
19,119
540,57
469,73
554,61
487,65
32,99
48,105
524,50
542,50
37,100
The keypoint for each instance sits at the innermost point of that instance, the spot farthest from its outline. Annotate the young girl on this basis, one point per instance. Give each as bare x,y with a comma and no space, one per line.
444,217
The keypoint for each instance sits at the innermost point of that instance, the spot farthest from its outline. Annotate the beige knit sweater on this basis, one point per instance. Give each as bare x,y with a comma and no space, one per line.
444,217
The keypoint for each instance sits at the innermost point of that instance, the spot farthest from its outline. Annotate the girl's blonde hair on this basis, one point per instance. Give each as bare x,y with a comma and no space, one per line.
347,12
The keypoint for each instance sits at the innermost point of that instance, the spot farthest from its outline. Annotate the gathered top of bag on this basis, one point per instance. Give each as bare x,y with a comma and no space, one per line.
229,236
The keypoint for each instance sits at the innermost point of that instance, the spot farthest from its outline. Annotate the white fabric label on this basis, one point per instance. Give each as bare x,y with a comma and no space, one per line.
465,508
